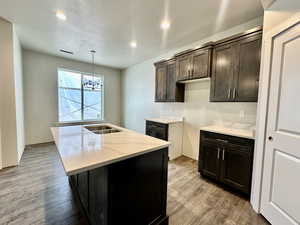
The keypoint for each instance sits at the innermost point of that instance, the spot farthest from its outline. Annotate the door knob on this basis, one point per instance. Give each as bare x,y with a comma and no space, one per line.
270,138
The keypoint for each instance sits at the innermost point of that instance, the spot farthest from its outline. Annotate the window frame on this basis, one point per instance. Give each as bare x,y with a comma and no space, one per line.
82,121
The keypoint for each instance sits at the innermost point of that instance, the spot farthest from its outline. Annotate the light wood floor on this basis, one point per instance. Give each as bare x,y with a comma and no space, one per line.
38,192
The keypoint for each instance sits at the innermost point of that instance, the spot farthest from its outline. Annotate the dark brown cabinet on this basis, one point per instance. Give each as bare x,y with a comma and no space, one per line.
161,82
201,63
131,191
232,63
183,64
211,164
247,77
227,159
235,68
194,64
222,75
166,88
237,167
157,130
83,188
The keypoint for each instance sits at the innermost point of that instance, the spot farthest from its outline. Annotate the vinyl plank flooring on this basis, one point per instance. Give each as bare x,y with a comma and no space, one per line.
193,200
37,192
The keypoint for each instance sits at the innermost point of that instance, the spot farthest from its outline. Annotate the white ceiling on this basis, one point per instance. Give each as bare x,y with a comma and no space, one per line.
108,26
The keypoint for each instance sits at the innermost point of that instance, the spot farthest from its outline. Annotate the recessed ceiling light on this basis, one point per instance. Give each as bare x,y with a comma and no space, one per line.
61,15
133,44
165,25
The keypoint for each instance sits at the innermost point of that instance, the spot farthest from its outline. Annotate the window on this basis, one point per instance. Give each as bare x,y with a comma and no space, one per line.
78,98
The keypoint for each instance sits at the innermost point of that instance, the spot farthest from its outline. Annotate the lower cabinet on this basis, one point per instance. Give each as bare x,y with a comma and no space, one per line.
132,191
158,130
227,159
83,179
211,163
172,132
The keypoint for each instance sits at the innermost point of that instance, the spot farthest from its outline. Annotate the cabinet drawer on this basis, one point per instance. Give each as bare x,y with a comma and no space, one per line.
226,139
157,130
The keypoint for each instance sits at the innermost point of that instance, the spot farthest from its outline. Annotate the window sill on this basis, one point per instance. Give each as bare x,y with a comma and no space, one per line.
74,123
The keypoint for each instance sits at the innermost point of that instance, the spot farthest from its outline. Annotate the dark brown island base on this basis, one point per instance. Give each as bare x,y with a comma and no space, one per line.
133,191
118,176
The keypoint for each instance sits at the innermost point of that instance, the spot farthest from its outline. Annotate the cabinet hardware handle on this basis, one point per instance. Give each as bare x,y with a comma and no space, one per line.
218,153
225,141
234,93
223,155
229,93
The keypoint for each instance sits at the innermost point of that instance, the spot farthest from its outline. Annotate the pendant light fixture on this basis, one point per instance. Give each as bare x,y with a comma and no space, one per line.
93,52
92,83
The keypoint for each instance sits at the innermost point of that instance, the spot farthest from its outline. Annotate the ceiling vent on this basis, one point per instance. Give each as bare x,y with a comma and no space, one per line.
67,52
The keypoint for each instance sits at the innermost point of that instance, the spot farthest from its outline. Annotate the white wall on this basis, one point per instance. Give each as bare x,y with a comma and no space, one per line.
18,72
40,93
279,11
10,90
138,88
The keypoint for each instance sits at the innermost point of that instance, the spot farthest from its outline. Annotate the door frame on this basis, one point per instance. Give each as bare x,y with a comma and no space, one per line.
262,109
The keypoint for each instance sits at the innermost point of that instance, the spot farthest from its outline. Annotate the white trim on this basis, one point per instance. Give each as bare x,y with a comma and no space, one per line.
262,109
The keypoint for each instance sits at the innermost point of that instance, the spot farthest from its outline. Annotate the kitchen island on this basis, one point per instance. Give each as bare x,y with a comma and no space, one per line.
119,176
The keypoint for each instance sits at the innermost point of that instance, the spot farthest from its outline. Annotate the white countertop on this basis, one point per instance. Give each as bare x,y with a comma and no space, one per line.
81,150
166,120
243,133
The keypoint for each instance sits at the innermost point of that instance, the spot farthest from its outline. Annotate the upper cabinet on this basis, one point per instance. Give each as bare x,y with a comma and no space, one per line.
232,63
194,64
247,77
166,88
235,68
183,67
222,73
161,82
201,63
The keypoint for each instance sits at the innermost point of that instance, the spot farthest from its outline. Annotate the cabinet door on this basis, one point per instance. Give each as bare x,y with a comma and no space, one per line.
171,81
222,74
201,64
140,198
236,169
247,76
98,197
73,179
183,64
161,83
209,160
83,189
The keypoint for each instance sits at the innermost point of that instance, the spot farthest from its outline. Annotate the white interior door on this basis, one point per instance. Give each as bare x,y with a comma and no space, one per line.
280,202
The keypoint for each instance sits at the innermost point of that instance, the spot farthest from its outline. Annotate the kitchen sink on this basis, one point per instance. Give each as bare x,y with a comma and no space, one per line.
102,129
